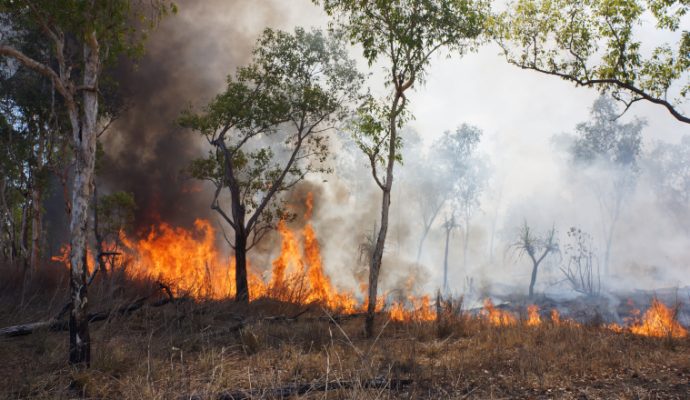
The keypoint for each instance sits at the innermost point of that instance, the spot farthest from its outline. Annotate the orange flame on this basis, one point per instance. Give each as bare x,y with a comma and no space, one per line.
533,317
186,260
421,310
496,316
555,317
659,321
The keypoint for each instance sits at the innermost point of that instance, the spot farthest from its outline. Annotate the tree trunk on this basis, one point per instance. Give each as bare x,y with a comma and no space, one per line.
465,244
36,227
445,263
535,267
377,256
376,260
241,284
85,156
421,242
24,233
241,235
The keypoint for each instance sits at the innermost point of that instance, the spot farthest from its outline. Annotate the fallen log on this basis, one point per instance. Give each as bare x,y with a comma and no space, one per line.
305,388
58,324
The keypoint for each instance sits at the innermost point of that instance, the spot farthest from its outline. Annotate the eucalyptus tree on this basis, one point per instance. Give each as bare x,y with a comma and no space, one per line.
32,135
269,130
613,149
403,35
603,44
83,37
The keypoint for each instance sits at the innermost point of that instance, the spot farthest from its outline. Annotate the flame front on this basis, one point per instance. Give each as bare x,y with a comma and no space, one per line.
659,321
188,261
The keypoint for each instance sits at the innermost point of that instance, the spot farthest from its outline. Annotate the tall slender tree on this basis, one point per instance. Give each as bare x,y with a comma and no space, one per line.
405,35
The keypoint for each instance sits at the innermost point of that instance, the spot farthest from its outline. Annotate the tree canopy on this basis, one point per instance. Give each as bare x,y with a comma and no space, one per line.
600,44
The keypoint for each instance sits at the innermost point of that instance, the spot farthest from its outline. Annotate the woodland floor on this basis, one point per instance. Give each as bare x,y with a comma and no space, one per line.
190,349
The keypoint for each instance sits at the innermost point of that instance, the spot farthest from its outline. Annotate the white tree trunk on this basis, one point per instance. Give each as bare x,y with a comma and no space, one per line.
85,156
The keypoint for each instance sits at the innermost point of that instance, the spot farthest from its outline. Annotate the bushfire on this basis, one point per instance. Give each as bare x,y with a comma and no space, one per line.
191,264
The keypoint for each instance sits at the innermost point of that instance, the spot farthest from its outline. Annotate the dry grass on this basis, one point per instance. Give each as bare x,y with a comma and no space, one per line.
187,348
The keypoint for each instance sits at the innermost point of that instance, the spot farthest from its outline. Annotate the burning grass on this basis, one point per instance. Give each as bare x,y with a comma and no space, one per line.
189,348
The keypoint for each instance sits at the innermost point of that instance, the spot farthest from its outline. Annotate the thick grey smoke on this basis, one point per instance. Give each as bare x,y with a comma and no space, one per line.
186,62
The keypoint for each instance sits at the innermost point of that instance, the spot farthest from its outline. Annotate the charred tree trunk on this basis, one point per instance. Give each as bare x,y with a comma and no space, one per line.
535,268
85,156
533,280
241,283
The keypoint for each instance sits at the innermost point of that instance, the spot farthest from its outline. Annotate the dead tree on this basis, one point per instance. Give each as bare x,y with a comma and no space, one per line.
582,267
537,248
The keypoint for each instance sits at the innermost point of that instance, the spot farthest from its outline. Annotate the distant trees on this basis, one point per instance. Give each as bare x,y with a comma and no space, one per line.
614,148
668,166
467,175
537,247
268,130
598,44
82,37
405,33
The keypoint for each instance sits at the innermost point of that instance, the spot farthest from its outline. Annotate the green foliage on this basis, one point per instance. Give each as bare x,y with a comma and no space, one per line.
597,43
268,129
606,139
405,33
408,32
468,173
121,26
115,214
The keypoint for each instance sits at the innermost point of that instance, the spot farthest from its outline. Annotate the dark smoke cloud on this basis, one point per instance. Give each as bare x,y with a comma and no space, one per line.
187,60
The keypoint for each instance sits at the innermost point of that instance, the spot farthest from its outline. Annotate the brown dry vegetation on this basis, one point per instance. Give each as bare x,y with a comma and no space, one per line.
190,348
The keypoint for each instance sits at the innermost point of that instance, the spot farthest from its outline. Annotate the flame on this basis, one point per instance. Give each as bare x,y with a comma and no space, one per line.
299,275
533,317
420,310
63,258
496,316
659,321
187,260
555,317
